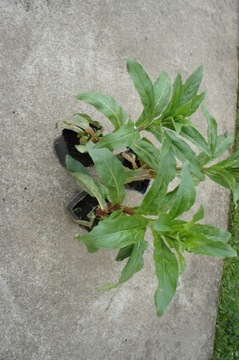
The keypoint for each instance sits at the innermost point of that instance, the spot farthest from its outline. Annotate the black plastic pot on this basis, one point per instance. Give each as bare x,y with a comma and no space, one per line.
61,150
139,185
65,145
80,207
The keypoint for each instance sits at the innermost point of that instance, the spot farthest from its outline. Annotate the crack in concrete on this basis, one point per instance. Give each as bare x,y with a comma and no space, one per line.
111,299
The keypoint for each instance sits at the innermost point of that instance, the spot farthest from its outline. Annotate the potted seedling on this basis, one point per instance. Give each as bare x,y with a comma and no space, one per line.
112,223
75,134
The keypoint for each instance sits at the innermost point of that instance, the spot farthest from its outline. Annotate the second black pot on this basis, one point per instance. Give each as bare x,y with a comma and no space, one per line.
139,185
81,206
65,145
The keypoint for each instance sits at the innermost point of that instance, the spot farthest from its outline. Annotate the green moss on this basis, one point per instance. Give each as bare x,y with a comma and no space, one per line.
226,345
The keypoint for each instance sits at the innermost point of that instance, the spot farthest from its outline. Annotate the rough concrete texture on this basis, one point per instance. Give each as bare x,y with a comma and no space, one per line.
51,307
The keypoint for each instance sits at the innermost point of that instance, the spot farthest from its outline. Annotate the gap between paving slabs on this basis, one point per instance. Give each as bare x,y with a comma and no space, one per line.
226,346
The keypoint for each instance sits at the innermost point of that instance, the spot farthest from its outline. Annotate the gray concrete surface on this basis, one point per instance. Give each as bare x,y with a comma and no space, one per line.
51,307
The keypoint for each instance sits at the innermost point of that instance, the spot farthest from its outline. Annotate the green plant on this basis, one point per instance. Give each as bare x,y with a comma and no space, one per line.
166,114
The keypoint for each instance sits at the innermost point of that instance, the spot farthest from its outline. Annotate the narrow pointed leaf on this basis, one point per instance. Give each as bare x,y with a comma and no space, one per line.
107,106
115,233
156,194
178,246
85,181
191,85
194,136
177,93
205,246
182,264
111,171
74,166
186,193
167,272
95,123
82,121
147,153
182,110
199,215
156,131
231,161
211,131
162,92
195,102
137,174
223,143
143,85
76,124
221,177
175,99
134,264
184,153
144,119
123,137
211,232
124,253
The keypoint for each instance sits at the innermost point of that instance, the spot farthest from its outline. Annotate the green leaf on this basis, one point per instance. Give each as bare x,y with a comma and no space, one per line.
162,92
143,85
92,122
199,215
107,106
76,124
211,131
115,233
156,131
123,137
191,85
223,143
134,264
226,173
230,162
184,152
175,243
221,177
211,232
155,196
167,272
85,181
163,224
175,99
194,136
181,261
81,148
74,166
186,193
182,110
124,253
111,171
195,103
147,153
137,174
177,93
205,246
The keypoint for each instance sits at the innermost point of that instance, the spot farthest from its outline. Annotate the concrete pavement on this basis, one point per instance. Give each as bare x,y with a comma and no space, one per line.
51,308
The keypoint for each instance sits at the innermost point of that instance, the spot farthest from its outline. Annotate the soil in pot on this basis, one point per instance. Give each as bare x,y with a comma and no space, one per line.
71,140
81,205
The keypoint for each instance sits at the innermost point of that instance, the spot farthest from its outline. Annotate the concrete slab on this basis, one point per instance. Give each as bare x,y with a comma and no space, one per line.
50,305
